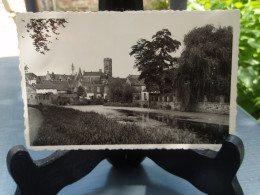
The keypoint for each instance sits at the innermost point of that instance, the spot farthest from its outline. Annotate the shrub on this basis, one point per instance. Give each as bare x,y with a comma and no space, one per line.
136,104
168,107
145,106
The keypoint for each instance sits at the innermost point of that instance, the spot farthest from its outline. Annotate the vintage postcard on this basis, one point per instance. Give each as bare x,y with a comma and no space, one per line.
131,80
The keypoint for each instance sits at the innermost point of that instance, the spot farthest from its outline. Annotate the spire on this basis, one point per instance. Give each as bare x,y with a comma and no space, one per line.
72,68
79,76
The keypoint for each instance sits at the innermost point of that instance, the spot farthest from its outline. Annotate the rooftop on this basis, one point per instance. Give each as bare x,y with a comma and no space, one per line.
30,75
59,85
98,73
62,77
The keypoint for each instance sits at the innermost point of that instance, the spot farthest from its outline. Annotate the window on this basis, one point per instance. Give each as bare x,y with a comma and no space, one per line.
98,89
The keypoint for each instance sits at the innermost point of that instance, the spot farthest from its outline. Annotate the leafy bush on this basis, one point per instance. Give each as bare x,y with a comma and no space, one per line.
249,49
160,4
168,107
145,106
136,104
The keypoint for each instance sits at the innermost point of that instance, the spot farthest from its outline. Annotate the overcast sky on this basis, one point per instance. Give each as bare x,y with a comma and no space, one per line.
88,38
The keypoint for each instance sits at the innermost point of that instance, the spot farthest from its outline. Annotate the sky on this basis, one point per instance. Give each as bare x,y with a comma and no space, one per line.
88,38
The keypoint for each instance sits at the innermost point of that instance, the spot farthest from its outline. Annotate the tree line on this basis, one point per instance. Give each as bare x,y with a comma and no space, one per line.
202,69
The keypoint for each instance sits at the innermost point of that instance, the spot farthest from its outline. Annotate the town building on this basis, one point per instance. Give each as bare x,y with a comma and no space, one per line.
93,77
31,94
141,93
31,78
54,87
58,77
63,87
94,84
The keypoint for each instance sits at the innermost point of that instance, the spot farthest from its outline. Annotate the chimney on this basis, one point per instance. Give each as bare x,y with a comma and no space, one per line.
100,70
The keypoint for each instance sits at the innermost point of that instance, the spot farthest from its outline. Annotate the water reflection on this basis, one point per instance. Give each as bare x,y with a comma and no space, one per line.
215,133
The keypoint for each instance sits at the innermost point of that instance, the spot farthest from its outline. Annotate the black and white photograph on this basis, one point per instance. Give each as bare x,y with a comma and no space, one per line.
133,80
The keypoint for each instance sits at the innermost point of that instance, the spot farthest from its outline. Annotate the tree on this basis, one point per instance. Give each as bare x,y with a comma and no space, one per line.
40,30
115,89
26,69
248,87
127,93
81,91
119,91
153,58
205,64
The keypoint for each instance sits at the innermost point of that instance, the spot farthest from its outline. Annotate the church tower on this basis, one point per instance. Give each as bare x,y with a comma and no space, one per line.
108,66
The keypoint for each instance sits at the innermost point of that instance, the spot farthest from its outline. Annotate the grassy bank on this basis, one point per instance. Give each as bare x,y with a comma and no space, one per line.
66,126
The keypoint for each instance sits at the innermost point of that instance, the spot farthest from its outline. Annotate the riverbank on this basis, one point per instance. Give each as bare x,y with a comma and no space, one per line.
67,126
219,119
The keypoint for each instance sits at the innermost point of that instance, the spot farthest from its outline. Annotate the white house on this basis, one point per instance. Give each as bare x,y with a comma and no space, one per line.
139,86
31,78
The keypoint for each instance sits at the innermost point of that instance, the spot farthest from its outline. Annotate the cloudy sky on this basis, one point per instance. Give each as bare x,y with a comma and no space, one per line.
88,38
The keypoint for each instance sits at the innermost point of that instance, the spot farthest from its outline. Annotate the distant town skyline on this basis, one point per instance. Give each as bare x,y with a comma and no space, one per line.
76,71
